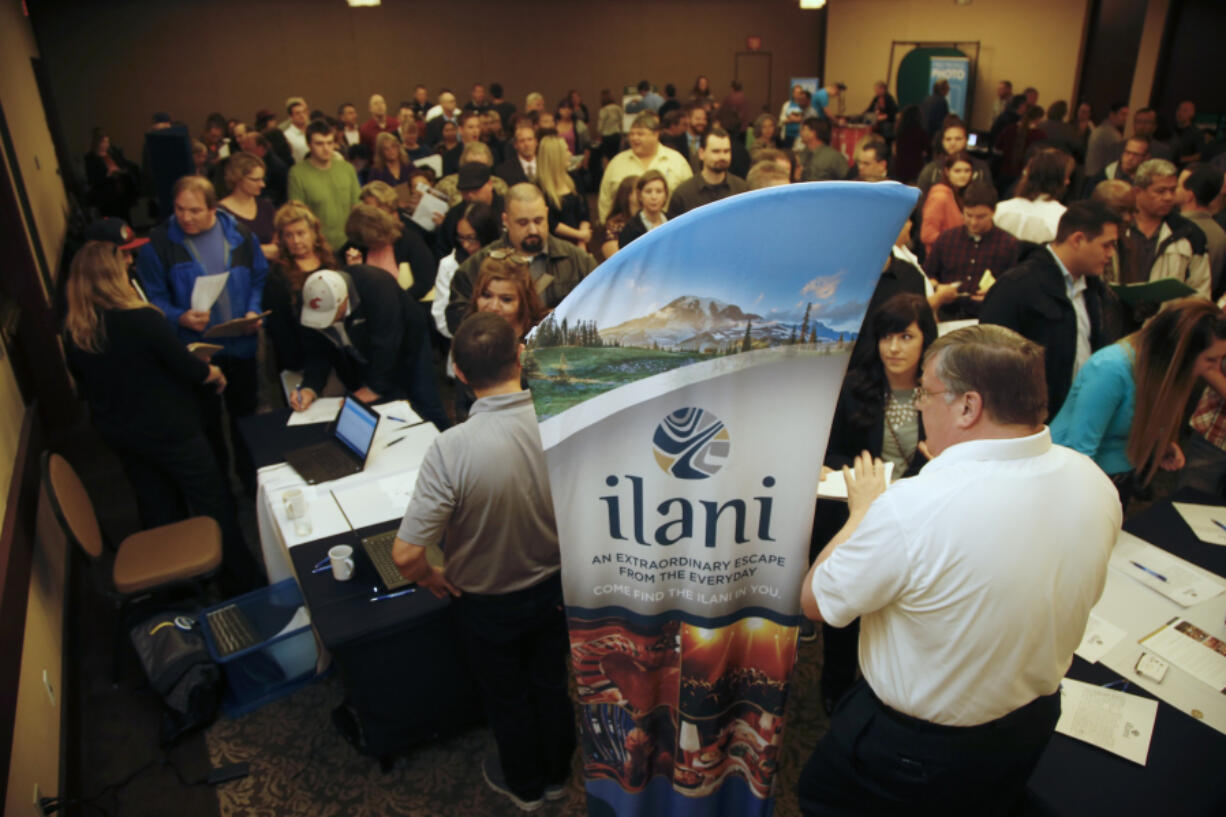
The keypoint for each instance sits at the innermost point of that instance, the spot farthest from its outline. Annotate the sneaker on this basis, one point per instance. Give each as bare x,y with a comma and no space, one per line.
491,769
557,791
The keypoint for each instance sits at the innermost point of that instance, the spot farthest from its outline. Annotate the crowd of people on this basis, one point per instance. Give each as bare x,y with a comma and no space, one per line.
317,225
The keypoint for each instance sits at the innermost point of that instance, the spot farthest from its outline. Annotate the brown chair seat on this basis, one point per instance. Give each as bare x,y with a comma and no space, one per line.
170,553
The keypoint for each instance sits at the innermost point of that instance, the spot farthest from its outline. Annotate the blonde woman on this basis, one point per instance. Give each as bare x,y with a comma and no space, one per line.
141,384
391,162
568,212
301,250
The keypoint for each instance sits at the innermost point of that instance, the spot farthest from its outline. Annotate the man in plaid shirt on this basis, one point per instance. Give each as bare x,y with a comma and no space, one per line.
961,255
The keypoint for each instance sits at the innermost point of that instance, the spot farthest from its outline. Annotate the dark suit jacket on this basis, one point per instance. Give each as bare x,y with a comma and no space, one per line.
1031,300
678,143
511,171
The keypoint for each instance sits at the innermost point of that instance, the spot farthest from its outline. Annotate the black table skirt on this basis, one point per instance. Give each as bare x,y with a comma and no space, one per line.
1185,773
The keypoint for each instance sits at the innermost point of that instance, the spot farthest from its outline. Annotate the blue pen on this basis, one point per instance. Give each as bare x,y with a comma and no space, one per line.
386,596
1153,573
1219,524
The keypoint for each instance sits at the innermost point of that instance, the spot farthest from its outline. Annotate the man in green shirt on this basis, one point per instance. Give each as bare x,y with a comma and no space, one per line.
325,183
819,162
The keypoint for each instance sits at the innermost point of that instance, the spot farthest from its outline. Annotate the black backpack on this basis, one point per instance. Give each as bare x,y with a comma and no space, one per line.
177,663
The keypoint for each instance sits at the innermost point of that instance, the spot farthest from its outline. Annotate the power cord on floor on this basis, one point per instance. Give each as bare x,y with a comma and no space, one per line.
50,805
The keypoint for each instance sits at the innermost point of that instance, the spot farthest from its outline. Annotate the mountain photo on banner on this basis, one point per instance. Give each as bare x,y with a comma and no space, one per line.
685,391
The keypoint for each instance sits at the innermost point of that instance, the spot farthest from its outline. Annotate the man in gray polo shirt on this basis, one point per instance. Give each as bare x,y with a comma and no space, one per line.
485,486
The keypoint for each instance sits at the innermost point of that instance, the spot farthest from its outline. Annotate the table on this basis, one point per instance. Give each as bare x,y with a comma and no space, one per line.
403,679
1183,774
379,494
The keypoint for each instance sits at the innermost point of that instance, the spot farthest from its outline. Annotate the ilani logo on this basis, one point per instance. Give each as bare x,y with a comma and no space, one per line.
691,443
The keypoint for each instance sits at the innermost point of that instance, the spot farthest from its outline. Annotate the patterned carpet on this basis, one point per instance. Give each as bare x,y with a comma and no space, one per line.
300,764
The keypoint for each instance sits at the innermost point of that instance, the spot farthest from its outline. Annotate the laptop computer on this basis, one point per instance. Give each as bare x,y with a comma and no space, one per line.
344,452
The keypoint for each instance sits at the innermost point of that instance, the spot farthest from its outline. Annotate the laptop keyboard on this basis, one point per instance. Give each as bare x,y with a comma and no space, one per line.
379,548
231,630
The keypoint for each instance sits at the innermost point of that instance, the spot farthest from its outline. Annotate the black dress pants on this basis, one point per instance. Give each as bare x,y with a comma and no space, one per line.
876,761
241,396
517,645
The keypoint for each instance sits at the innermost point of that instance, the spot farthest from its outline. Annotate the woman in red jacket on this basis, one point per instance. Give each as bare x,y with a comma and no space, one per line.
943,204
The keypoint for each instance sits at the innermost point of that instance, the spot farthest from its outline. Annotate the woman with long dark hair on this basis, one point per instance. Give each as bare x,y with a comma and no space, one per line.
1126,406
876,413
876,409
942,208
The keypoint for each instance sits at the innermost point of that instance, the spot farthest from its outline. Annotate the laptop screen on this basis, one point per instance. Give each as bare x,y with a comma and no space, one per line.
355,427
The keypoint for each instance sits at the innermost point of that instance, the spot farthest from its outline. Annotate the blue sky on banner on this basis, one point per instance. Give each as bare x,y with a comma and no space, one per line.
769,252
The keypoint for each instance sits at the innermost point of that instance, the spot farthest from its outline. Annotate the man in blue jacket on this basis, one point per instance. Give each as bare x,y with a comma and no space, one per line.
197,241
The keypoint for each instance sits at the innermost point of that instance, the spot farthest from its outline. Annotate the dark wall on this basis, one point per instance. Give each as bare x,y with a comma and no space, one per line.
113,64
1110,57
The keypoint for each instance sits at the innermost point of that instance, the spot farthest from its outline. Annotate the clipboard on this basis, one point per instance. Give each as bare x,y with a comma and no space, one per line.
204,351
234,328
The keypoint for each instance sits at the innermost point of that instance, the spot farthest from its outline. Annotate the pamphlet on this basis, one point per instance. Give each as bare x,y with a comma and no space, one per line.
432,201
1164,289
1158,570
1208,522
1196,652
206,289
1116,721
1099,638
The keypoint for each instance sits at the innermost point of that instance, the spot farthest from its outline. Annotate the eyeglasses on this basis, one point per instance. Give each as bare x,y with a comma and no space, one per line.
467,239
257,180
514,255
922,394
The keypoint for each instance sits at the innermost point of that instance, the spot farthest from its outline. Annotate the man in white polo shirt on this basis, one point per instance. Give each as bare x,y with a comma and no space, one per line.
973,582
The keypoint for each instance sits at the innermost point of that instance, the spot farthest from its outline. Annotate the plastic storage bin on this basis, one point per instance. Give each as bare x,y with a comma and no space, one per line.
285,653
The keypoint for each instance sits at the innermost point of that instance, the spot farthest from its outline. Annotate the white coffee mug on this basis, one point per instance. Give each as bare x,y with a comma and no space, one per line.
295,503
341,558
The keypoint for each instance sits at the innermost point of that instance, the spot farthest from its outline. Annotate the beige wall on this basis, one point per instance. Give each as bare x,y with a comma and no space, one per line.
36,730
31,138
35,758
115,64
1037,42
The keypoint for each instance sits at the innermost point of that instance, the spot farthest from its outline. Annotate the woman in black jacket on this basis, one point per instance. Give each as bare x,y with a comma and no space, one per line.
141,382
875,413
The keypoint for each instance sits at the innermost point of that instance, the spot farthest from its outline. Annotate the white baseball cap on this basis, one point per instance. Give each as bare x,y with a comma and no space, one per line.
321,296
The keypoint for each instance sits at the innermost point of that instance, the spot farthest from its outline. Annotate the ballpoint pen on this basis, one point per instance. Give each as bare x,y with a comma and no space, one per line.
398,593
393,442
1219,524
1153,573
